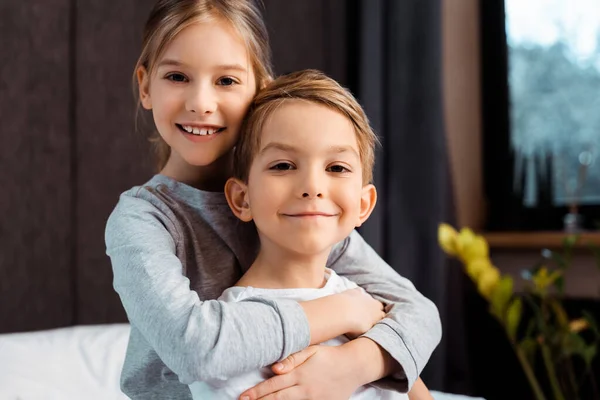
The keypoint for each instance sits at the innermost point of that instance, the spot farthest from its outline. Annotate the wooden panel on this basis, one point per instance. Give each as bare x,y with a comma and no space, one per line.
462,111
111,156
538,240
35,284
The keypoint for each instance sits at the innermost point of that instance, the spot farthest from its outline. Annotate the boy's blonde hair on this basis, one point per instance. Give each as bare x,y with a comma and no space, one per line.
169,17
307,85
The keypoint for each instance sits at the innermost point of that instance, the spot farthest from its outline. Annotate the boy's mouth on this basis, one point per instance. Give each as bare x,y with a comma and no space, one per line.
200,131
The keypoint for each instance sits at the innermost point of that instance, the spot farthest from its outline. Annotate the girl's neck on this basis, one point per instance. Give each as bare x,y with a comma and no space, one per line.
210,178
278,268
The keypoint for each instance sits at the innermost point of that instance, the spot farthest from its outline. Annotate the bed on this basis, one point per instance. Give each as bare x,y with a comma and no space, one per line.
73,363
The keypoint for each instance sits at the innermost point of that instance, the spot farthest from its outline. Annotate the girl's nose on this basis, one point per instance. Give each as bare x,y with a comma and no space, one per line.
202,100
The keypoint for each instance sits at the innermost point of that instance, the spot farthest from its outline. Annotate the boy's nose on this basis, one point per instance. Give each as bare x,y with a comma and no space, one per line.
308,195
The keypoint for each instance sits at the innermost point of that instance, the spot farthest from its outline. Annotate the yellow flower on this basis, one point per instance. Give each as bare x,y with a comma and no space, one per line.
578,325
476,268
488,280
447,239
464,240
542,279
476,248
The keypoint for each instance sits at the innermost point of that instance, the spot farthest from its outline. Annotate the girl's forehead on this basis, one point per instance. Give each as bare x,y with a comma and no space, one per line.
207,43
209,35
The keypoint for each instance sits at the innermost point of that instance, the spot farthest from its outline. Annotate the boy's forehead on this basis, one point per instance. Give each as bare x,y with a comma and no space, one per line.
298,124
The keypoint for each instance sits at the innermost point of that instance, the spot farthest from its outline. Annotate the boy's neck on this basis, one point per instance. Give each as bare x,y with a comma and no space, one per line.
277,268
210,178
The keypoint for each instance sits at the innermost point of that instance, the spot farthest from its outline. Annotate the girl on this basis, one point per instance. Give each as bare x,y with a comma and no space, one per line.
175,245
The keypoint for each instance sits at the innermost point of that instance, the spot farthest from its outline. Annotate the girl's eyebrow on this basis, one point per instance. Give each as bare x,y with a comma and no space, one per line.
227,67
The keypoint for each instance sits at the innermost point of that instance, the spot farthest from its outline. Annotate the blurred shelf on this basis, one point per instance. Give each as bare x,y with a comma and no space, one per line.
537,240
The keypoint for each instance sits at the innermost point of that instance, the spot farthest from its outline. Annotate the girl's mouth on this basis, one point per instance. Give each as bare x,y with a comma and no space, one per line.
194,130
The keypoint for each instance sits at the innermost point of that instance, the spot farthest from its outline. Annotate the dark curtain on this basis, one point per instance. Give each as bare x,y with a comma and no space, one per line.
398,79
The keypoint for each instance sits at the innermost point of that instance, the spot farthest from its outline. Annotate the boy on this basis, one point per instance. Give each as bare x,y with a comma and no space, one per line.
302,174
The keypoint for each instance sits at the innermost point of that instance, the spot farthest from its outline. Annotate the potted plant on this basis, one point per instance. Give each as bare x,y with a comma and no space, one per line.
534,320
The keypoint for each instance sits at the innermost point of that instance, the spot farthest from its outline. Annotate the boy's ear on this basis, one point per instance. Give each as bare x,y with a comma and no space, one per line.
144,87
236,193
368,200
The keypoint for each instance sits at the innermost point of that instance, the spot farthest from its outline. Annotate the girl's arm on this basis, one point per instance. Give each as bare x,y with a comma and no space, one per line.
197,339
412,327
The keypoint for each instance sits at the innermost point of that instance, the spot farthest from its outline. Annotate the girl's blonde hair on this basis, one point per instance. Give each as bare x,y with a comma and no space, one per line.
169,17
312,86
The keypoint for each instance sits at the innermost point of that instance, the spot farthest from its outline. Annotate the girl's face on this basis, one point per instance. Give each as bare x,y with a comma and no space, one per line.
199,92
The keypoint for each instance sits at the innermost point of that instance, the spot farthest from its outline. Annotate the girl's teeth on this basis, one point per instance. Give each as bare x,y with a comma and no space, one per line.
198,131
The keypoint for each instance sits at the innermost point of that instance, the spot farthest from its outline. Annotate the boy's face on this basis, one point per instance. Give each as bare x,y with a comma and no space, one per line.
305,190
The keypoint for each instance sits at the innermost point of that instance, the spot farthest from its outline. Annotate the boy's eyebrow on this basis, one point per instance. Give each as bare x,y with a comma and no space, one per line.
177,63
278,146
292,149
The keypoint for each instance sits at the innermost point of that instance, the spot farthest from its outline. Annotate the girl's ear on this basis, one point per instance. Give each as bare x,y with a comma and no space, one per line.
144,87
265,81
236,193
368,200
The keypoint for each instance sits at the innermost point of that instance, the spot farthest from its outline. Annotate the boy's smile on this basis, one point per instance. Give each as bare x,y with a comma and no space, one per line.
305,184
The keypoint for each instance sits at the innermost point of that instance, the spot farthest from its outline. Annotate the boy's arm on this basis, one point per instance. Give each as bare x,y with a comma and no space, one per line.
411,329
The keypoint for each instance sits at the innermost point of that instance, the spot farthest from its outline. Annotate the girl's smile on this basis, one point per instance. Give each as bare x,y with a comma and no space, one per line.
199,93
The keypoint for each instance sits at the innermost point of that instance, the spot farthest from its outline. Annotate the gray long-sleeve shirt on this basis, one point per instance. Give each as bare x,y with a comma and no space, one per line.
174,249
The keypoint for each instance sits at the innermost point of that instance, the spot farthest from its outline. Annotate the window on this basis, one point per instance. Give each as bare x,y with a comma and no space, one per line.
541,111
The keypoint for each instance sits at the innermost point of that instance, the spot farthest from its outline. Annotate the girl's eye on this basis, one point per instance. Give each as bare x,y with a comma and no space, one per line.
226,81
337,169
282,166
176,77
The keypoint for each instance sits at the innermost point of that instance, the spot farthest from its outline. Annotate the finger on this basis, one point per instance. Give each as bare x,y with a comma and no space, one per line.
294,360
291,393
271,385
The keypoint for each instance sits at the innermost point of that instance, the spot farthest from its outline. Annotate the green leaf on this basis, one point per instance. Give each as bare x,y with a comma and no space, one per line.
513,317
588,355
501,296
570,241
592,321
573,344
559,284
561,315
529,347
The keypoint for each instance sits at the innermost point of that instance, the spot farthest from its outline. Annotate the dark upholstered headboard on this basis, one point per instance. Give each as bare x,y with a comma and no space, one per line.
68,146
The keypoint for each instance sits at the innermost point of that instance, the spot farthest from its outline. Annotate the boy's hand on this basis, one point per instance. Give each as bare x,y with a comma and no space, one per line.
365,311
317,372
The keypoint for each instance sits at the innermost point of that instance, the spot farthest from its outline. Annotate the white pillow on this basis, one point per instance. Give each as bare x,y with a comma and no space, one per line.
80,362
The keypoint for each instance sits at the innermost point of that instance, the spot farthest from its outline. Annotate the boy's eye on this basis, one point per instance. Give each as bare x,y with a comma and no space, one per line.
337,169
176,77
226,81
282,166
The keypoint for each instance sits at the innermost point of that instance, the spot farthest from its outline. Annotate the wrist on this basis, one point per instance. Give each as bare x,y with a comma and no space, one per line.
370,361
325,319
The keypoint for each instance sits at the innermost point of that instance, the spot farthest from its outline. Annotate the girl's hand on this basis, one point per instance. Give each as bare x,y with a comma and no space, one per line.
317,372
365,311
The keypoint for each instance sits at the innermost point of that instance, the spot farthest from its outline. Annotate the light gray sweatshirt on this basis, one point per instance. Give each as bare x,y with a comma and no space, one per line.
174,249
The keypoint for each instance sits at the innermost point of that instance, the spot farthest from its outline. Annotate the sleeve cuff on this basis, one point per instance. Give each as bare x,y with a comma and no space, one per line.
294,324
387,338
